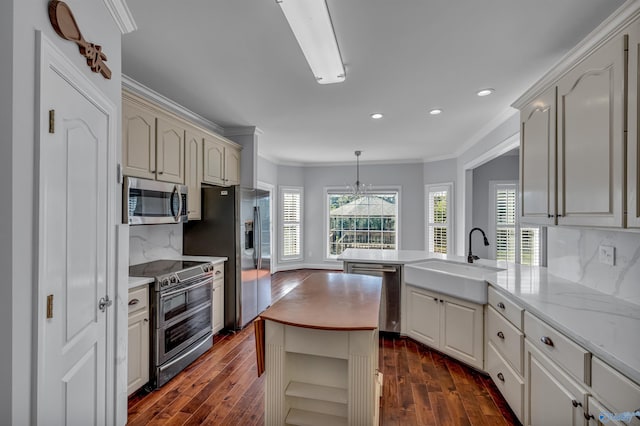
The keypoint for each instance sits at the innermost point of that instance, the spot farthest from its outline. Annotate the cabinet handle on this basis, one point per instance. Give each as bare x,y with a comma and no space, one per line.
559,215
500,335
146,320
549,216
435,299
501,305
160,173
547,341
133,302
587,416
218,272
501,377
441,301
576,403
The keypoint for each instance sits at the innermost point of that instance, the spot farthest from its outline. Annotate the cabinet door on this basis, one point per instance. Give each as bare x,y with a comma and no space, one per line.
551,396
138,351
213,161
193,172
591,107
633,135
538,159
170,151
423,316
461,325
138,141
232,166
218,305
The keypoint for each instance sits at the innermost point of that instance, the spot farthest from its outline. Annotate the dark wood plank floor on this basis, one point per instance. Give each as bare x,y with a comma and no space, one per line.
421,386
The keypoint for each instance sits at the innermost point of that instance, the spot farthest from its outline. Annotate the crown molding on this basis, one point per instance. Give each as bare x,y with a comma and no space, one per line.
139,89
485,130
604,32
242,131
121,15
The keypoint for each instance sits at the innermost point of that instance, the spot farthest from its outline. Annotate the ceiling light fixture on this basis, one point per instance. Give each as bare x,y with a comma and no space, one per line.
358,188
435,111
311,25
376,116
485,92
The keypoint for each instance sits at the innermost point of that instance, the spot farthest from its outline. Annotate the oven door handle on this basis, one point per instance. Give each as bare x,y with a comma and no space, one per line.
181,357
185,289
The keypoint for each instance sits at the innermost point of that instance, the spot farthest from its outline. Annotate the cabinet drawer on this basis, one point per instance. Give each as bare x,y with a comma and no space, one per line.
138,299
617,392
511,386
506,338
218,271
506,307
572,357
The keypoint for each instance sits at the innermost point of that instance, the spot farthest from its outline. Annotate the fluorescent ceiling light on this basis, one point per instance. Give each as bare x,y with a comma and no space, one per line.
311,24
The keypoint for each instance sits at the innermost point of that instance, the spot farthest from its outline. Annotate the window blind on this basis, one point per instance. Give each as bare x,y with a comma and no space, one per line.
291,223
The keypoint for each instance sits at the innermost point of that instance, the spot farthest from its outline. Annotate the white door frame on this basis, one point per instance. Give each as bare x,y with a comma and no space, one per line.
50,57
272,201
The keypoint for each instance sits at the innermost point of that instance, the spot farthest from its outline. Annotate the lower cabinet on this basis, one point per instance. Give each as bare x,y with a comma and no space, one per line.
552,397
138,335
448,324
218,298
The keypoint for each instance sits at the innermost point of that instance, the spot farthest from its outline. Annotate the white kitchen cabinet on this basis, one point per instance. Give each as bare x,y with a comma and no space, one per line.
193,172
448,324
551,396
614,391
591,138
221,162
599,415
218,298
633,130
152,142
138,140
538,160
138,343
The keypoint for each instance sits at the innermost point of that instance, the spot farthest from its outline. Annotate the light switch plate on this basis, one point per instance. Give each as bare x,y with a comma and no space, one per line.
607,255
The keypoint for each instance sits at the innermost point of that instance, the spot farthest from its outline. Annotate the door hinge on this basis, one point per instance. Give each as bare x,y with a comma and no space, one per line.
50,306
119,173
104,303
52,121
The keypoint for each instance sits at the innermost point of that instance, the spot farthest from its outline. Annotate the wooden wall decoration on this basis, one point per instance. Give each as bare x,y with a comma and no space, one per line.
66,27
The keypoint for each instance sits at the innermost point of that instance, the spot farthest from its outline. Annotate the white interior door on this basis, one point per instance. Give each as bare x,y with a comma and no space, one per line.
73,264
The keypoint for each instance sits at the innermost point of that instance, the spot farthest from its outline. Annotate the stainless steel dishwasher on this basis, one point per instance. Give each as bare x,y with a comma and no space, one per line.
390,297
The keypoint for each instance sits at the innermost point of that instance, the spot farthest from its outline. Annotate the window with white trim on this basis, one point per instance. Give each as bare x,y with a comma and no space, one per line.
291,230
367,221
513,242
439,200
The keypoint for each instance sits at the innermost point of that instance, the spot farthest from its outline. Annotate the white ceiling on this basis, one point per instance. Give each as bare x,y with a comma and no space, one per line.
237,63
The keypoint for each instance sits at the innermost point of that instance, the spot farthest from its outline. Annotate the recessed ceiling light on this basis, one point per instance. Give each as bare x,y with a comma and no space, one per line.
435,111
376,116
485,92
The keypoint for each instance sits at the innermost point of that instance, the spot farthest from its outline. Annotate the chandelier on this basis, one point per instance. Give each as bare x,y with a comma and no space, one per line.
358,188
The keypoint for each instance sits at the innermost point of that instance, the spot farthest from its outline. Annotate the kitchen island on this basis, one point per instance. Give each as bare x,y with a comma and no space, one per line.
318,347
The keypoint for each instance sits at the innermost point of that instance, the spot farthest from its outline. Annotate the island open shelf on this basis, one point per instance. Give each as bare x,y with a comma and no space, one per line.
318,347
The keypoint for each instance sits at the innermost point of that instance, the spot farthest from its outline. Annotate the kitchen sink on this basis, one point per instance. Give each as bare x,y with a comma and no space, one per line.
462,280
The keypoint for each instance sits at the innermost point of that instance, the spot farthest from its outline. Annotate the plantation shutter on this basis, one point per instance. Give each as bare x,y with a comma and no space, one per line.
439,218
291,223
506,222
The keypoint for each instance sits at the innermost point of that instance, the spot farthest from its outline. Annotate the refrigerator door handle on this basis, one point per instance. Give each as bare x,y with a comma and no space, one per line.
258,236
256,248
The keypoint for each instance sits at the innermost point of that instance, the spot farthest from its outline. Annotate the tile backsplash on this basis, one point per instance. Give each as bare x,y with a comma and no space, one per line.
153,242
572,254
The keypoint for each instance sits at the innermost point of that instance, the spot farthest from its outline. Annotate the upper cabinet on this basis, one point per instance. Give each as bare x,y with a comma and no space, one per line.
591,132
633,132
152,143
193,171
573,136
538,159
221,162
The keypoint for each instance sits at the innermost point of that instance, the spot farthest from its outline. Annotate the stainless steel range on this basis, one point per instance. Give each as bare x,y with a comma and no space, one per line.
181,312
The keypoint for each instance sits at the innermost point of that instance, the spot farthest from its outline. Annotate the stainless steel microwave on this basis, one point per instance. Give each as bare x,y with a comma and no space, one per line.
151,202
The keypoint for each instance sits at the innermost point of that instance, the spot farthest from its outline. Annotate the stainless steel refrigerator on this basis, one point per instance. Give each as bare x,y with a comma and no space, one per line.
235,223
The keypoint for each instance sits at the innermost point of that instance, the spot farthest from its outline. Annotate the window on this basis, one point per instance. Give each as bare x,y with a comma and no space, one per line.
291,237
369,221
513,243
439,217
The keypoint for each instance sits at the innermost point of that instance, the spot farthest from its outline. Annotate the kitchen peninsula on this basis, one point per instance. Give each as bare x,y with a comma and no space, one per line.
318,346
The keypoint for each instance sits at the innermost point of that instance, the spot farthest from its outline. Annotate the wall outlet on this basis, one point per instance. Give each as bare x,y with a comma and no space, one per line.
607,255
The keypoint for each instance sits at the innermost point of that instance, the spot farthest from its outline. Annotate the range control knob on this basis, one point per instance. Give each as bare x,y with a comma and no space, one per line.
165,282
173,279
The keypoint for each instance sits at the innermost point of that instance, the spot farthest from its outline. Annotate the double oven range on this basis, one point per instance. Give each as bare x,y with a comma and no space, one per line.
181,312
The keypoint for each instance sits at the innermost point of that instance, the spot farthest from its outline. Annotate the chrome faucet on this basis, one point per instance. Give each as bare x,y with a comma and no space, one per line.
471,257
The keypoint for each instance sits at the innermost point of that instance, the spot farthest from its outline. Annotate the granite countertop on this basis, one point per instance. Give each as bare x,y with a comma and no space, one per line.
332,301
605,325
139,281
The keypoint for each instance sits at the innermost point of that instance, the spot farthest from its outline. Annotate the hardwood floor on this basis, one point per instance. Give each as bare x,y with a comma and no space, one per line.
421,386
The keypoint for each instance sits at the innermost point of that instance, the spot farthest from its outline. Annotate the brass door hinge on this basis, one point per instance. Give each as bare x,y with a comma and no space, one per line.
50,306
52,121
